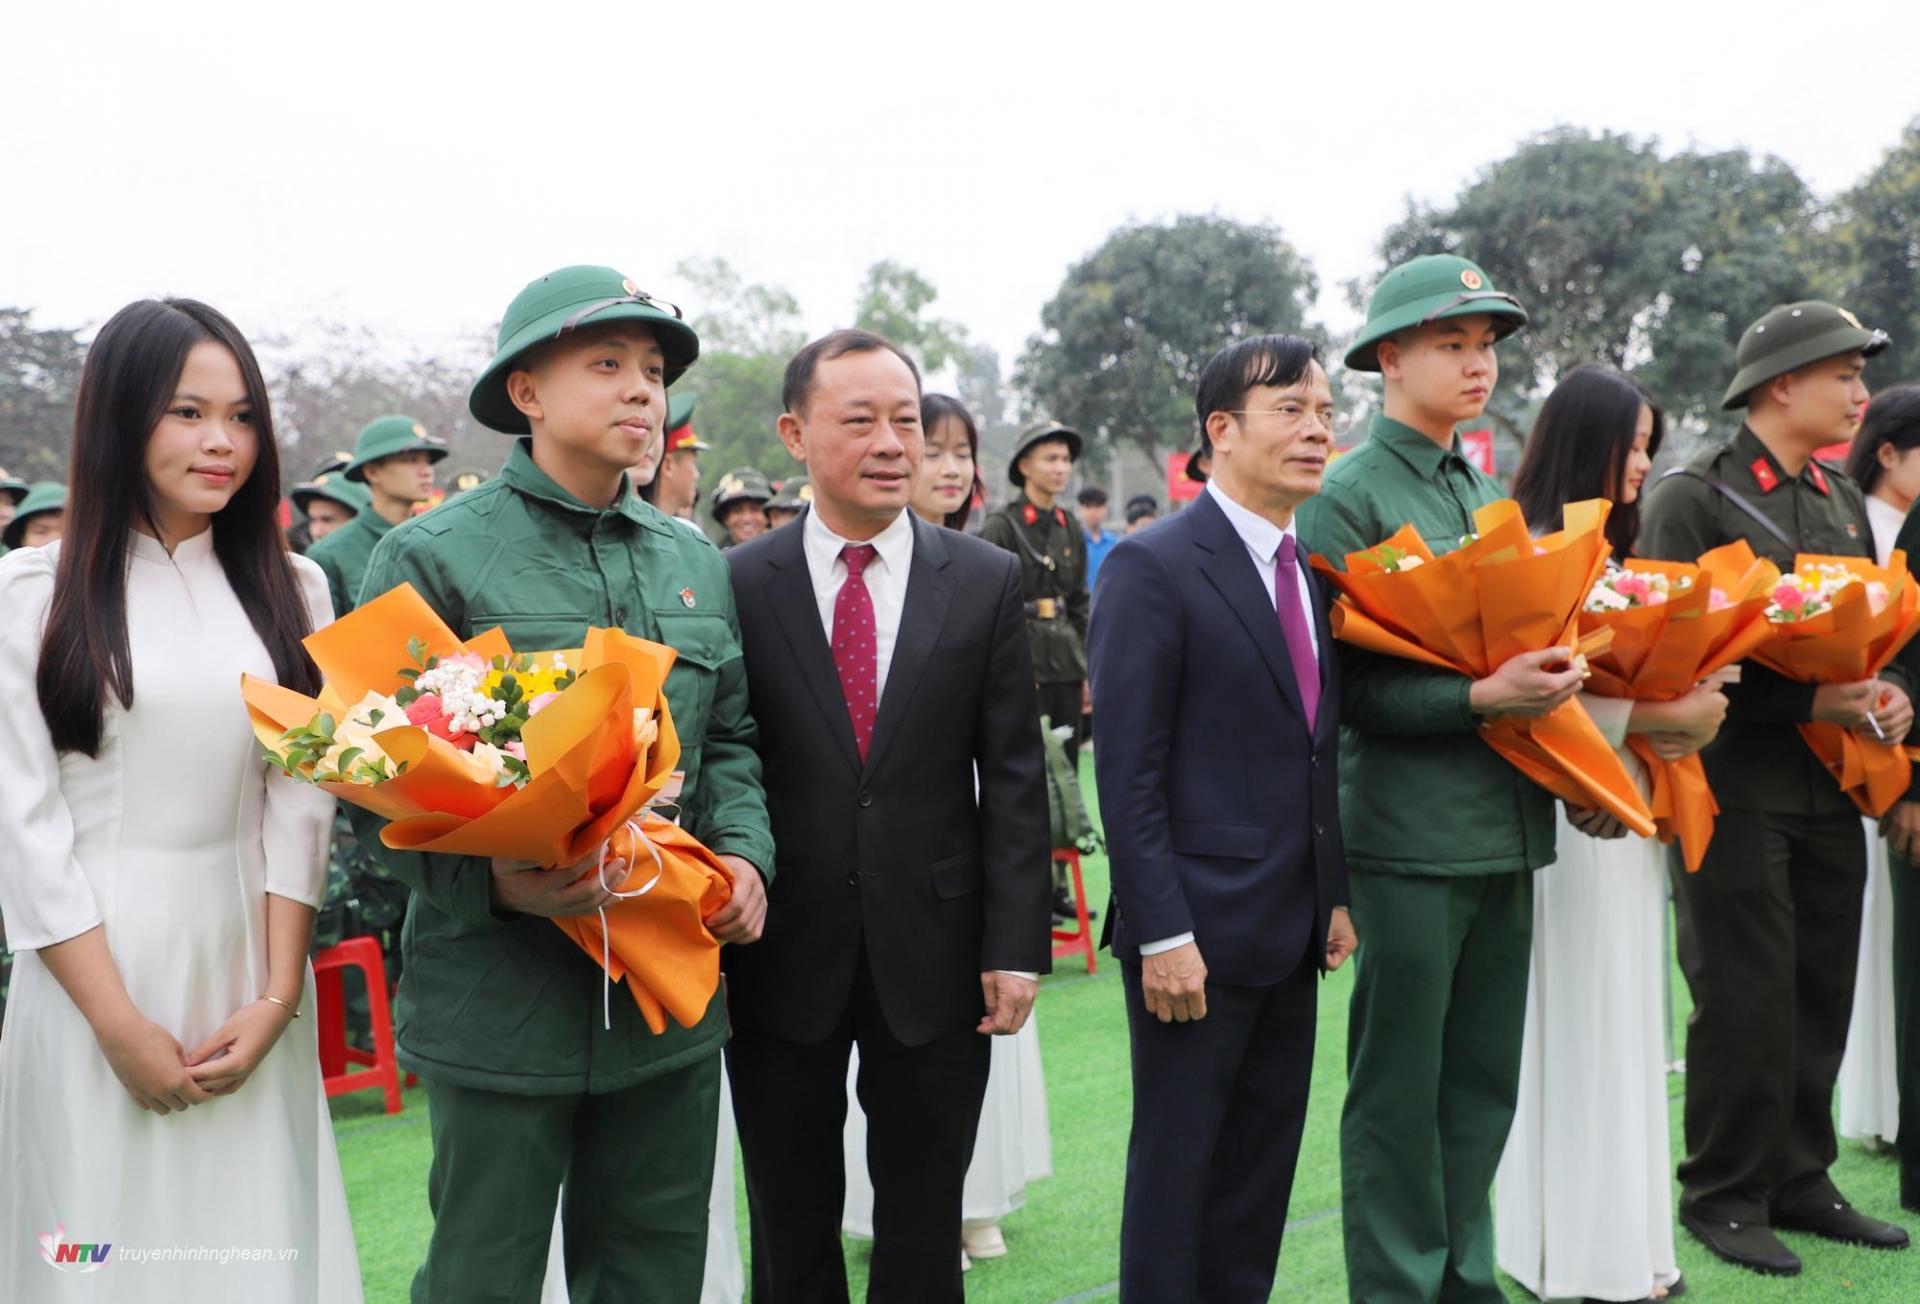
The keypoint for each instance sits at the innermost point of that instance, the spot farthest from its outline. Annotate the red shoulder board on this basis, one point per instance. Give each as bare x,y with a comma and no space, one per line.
1032,514
1819,478
1764,474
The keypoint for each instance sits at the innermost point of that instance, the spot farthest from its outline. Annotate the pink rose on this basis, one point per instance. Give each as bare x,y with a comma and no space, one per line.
427,713
1717,600
516,749
539,703
1788,597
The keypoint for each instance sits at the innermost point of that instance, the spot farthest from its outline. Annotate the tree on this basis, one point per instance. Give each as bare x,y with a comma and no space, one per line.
733,316
39,380
747,333
1622,256
1877,237
1123,340
892,301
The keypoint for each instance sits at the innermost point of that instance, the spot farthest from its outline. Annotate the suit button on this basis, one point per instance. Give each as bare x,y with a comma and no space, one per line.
866,799
1314,760
1319,830
853,879
620,617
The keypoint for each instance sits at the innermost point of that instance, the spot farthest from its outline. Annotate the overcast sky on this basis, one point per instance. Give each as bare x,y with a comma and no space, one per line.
410,165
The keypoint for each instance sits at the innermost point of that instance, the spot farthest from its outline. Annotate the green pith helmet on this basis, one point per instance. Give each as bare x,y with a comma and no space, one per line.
1036,434
11,488
1791,336
795,495
333,465
1432,287
563,301
44,496
389,437
742,485
461,482
680,437
335,488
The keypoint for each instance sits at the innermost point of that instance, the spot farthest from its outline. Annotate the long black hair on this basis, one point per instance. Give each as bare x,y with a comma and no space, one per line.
935,408
1893,417
1579,447
128,383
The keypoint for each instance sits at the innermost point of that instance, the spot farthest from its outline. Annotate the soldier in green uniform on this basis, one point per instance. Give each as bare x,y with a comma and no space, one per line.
1769,929
1442,835
499,1012
791,499
11,492
675,487
394,459
328,501
740,505
37,519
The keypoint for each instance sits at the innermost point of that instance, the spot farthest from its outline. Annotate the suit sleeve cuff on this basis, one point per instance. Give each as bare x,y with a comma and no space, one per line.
1166,944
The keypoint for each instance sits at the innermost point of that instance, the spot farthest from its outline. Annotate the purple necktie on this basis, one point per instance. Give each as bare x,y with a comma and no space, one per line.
855,648
1293,624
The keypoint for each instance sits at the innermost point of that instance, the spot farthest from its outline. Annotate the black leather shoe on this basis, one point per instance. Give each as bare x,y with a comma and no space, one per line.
1836,1220
1752,1246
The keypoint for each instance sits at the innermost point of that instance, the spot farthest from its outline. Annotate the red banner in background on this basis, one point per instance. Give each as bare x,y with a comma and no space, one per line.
1477,447
1179,488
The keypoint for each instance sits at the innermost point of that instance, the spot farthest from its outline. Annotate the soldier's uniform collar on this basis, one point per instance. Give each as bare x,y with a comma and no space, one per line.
1760,463
1415,449
525,477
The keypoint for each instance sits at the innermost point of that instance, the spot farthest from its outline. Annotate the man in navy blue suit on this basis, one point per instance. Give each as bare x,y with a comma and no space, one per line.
1216,684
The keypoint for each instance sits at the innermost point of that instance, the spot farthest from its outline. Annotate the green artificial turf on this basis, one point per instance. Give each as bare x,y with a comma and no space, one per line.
1064,1245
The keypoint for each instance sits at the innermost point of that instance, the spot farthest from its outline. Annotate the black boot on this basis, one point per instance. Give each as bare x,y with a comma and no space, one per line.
1748,1245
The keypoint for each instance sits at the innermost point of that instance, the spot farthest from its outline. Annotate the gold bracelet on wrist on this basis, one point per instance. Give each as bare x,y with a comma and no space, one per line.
282,1004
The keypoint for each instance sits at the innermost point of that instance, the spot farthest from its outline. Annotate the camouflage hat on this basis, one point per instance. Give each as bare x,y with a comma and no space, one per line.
1032,437
795,495
742,485
390,437
334,487
1430,288
1791,336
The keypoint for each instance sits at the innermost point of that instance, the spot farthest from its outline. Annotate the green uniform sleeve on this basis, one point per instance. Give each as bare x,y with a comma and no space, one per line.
729,811
1380,694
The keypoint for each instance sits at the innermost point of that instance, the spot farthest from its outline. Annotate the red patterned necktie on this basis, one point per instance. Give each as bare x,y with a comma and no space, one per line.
855,650
1293,627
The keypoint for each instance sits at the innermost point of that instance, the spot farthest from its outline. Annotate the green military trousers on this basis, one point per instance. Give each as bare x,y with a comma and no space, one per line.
638,1168
1433,1070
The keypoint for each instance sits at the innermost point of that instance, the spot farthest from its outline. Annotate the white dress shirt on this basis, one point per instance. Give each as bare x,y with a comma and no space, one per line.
1262,538
886,578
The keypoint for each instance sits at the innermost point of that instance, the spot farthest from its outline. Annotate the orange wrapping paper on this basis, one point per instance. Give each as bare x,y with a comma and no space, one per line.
1844,644
590,782
1473,609
1660,652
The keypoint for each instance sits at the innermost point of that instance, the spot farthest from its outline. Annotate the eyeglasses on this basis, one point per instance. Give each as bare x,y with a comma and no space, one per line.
638,296
1327,419
1465,297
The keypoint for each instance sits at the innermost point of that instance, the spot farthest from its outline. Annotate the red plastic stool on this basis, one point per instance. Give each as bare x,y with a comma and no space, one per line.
1070,941
362,953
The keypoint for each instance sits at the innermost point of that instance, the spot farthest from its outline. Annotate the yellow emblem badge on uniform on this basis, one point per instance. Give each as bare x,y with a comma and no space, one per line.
686,596
1764,476
630,288
1470,279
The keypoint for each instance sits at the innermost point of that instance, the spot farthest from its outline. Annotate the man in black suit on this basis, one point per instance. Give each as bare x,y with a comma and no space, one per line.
1215,680
887,665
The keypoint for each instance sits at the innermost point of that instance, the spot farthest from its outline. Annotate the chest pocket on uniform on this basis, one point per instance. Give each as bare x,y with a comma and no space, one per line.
705,644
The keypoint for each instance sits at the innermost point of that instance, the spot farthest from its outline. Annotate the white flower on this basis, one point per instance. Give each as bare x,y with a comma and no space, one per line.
375,713
1411,560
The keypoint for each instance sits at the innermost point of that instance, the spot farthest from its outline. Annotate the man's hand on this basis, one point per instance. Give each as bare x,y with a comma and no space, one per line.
1894,714
745,915
1846,705
1594,823
1902,827
1174,984
1009,1000
1527,684
523,886
1341,940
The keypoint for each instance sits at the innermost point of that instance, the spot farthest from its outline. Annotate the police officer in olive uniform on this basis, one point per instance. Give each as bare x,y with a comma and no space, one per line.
345,554
787,504
1769,928
739,504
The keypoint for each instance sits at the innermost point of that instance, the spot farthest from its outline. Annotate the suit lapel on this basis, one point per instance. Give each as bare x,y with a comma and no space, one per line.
797,612
929,596
1230,570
